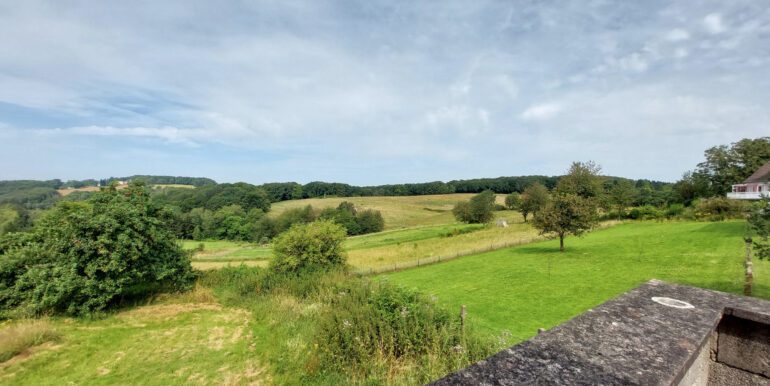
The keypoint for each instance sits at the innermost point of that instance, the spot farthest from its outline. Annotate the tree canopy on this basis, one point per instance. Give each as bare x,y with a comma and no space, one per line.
566,214
479,209
83,256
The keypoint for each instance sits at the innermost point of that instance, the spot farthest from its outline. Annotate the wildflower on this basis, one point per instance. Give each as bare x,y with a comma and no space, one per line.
458,349
315,346
346,324
404,312
342,293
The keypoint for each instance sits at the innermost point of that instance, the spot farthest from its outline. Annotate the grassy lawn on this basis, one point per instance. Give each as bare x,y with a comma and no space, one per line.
191,339
227,251
510,289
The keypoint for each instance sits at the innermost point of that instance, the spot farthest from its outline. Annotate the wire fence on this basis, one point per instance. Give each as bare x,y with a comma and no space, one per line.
437,259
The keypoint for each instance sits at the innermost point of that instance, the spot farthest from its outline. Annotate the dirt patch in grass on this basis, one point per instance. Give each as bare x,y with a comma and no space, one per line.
20,336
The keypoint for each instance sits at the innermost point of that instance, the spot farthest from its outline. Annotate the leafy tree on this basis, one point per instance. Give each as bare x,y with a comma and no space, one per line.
534,198
622,195
759,222
317,245
582,179
82,257
479,210
512,201
566,214
370,221
727,165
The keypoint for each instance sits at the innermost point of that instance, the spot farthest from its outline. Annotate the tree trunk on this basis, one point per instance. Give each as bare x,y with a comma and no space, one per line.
561,243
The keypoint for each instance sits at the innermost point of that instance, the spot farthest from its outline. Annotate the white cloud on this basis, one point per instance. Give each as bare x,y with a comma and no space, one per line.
713,23
677,34
540,112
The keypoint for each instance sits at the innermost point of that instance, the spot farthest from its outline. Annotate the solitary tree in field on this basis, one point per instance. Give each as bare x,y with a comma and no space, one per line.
566,214
534,198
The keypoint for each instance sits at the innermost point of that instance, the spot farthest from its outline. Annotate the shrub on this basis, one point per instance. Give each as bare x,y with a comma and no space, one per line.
719,208
674,210
82,257
309,246
645,212
478,210
15,338
367,323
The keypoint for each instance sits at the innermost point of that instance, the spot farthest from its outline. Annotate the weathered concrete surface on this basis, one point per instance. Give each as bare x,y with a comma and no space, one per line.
723,375
627,340
744,345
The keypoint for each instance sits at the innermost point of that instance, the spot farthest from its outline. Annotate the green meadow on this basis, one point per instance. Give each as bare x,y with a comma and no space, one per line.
521,289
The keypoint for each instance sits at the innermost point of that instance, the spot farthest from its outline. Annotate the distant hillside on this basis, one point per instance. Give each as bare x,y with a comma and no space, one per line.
32,194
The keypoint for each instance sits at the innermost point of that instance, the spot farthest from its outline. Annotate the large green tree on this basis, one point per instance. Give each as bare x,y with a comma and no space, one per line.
727,165
582,179
83,257
566,214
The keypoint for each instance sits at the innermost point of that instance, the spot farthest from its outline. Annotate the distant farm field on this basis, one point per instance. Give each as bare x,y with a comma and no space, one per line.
514,289
398,212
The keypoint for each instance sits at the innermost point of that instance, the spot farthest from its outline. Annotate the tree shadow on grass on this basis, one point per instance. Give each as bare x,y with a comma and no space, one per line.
724,229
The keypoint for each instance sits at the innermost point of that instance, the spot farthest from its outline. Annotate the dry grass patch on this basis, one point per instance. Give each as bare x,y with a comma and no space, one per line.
205,265
16,338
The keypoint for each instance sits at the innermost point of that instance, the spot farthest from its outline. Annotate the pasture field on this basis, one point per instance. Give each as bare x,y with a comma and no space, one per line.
512,290
445,246
397,236
398,212
382,249
179,339
216,334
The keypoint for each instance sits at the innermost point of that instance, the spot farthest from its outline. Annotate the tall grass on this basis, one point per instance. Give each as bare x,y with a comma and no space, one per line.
17,337
326,328
375,332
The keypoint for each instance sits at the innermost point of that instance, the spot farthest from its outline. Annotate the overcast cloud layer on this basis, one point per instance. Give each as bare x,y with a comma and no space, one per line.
376,92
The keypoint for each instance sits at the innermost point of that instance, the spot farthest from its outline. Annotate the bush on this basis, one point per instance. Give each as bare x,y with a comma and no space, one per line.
478,210
675,210
719,208
369,323
309,246
18,337
645,212
82,257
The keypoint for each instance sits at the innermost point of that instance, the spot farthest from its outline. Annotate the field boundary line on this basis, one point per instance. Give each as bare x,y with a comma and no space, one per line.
437,259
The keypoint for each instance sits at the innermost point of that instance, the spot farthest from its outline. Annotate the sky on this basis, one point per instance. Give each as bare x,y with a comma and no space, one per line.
376,92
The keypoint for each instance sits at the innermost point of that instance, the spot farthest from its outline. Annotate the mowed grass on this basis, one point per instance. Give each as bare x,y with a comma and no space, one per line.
188,341
511,289
226,251
398,212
